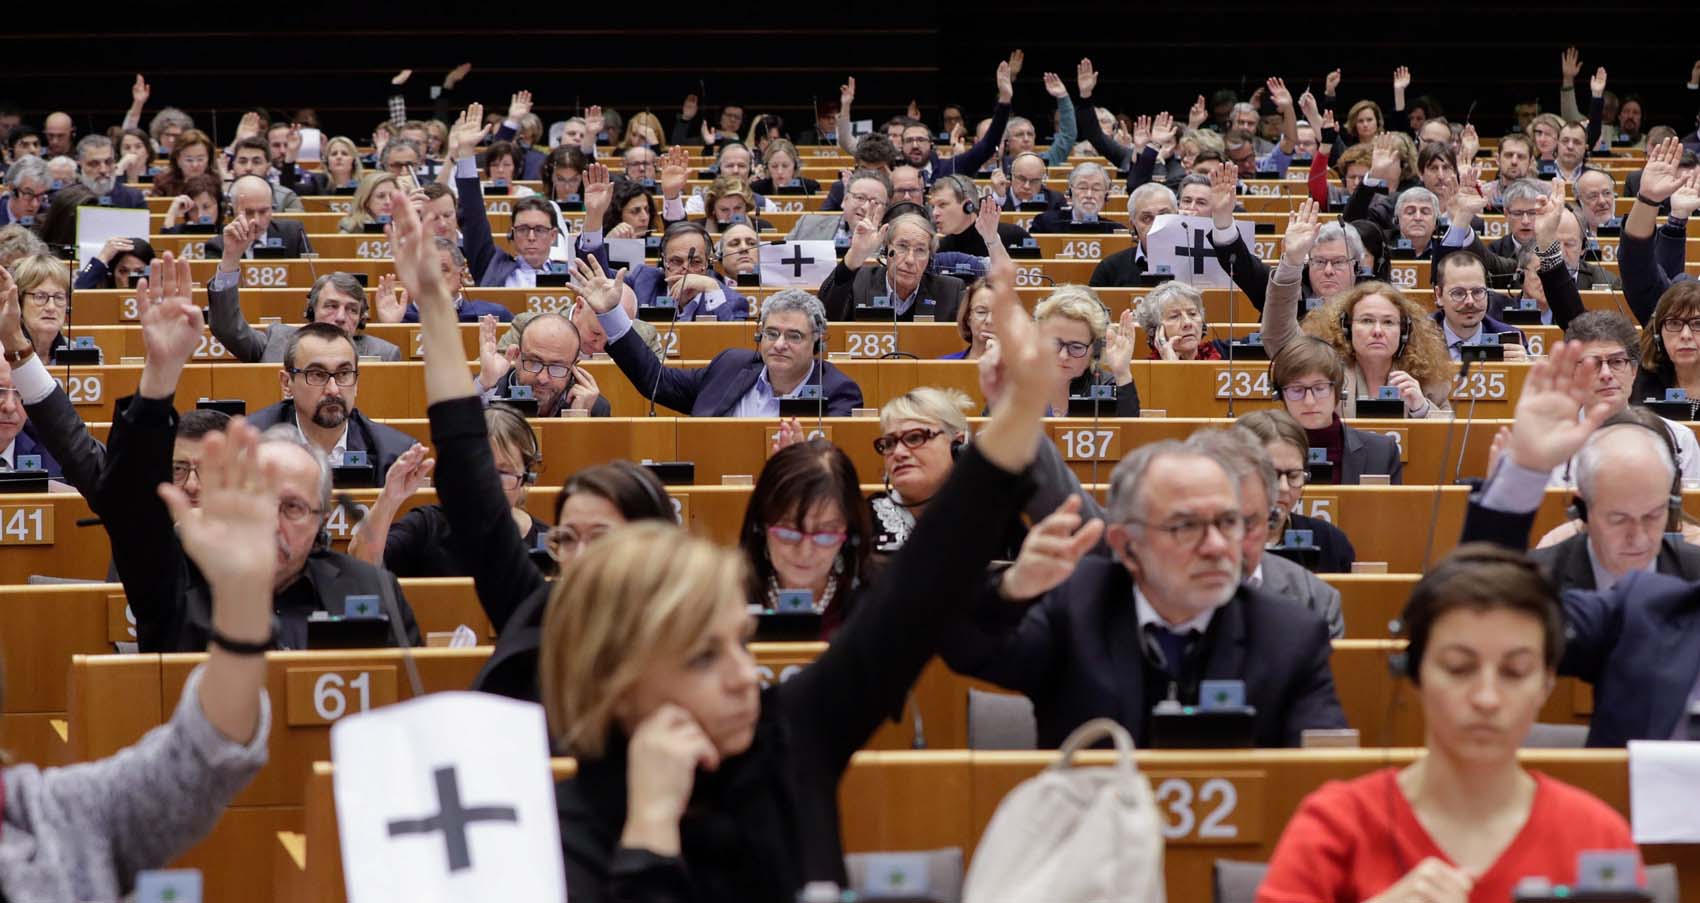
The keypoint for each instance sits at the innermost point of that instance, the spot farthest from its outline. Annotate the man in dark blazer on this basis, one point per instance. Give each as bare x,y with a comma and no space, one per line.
686,250
1118,636
169,596
544,359
787,362
332,423
1635,636
251,198
907,244
17,434
1461,293
536,225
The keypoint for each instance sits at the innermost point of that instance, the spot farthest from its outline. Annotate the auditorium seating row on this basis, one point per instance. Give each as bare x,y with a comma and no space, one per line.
114,699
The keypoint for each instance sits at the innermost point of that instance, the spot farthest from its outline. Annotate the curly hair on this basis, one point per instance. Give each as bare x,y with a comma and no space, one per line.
1425,356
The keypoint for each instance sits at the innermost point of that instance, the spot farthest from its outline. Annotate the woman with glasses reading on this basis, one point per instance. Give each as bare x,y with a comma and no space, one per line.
1384,339
1307,375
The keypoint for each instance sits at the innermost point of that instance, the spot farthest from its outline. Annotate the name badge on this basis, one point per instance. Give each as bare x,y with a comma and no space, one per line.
1298,539
27,462
1676,395
1214,695
1316,456
270,242
795,600
362,606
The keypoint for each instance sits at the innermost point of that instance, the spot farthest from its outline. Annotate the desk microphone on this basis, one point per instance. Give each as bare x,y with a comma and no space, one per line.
666,343
1439,478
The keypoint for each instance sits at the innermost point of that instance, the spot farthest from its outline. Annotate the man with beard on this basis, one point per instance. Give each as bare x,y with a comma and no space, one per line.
337,299
1515,159
321,380
97,169
545,359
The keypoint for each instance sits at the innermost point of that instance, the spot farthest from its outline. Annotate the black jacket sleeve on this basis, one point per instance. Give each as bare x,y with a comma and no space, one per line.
1563,298
1643,281
837,293
1670,247
479,244
62,431
471,494
874,661
145,550
1250,274
1086,122
1127,400
1143,166
1362,205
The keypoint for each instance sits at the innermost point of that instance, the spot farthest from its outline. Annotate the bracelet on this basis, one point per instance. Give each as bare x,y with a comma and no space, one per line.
1551,257
242,647
1643,199
1570,88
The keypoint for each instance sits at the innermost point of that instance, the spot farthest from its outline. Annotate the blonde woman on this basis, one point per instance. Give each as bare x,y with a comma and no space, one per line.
343,170
1081,342
374,202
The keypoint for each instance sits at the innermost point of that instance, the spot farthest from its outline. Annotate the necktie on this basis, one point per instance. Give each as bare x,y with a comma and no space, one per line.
1173,646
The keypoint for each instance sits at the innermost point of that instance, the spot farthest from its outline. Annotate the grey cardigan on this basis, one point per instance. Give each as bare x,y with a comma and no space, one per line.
82,832
268,344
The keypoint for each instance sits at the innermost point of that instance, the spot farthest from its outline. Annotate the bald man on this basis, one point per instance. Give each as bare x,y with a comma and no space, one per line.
57,132
251,196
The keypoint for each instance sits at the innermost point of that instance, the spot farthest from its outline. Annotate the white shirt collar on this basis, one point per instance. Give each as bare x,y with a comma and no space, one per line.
1148,615
1255,580
1603,579
337,449
10,455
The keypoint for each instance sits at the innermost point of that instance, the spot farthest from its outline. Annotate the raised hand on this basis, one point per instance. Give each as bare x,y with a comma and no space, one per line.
401,77
519,105
456,74
409,472
1570,61
1301,232
248,127
1118,348
1328,120
1054,86
594,122
1198,114
675,171
293,143
113,247
1385,159
1401,78
1308,108
847,94
11,314
598,193
1660,177
790,433
1686,199
1006,82
1545,431
1278,93
1023,349
390,307
467,132
493,365
1050,552
171,323
592,284
986,219
1017,59
864,238
240,233
1549,211
1141,132
1597,84
1469,143
1224,185
139,92
582,396
1331,83
914,110
1163,131
232,533
1000,182
1085,78
1467,201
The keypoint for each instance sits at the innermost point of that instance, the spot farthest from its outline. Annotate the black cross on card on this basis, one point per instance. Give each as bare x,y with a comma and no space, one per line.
452,819
796,261
1198,251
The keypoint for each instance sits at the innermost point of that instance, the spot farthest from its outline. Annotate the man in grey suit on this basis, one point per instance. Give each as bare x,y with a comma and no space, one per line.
336,298
870,191
1272,574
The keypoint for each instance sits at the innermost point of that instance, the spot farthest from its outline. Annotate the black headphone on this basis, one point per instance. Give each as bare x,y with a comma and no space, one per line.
313,301
1275,388
1404,330
1578,509
649,482
957,445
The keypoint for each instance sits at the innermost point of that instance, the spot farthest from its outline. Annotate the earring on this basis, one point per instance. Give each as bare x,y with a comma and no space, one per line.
838,564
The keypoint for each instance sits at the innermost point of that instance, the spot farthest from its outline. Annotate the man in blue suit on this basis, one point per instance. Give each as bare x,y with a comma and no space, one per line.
1638,639
536,221
787,362
16,436
685,276
98,171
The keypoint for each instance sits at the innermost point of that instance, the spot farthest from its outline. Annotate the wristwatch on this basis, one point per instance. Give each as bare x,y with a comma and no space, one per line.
17,357
242,647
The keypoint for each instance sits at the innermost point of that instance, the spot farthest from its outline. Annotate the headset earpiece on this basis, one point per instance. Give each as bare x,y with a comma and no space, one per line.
1578,509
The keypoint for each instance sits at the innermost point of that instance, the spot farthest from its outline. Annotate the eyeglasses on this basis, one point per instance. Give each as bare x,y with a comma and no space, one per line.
562,543
1513,213
510,480
1028,182
904,250
680,264
981,314
180,471
791,336
1460,294
1074,349
911,439
791,537
1673,326
556,371
867,199
1331,263
1617,363
533,231
1191,531
318,376
1296,478
24,194
1604,194
911,191
49,299
917,141
295,511
1300,393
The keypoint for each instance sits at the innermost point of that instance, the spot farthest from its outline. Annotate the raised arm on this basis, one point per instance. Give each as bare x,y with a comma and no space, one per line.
1086,120
846,96
969,161
139,92
1063,144
1250,274
405,476
464,136
875,660
224,305
1643,280
49,409
1281,305
467,484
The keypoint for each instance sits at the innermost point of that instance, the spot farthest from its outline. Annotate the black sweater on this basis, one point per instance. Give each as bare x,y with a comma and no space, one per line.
766,822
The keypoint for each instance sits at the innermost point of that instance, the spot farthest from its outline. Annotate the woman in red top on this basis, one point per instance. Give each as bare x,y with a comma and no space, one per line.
1465,823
